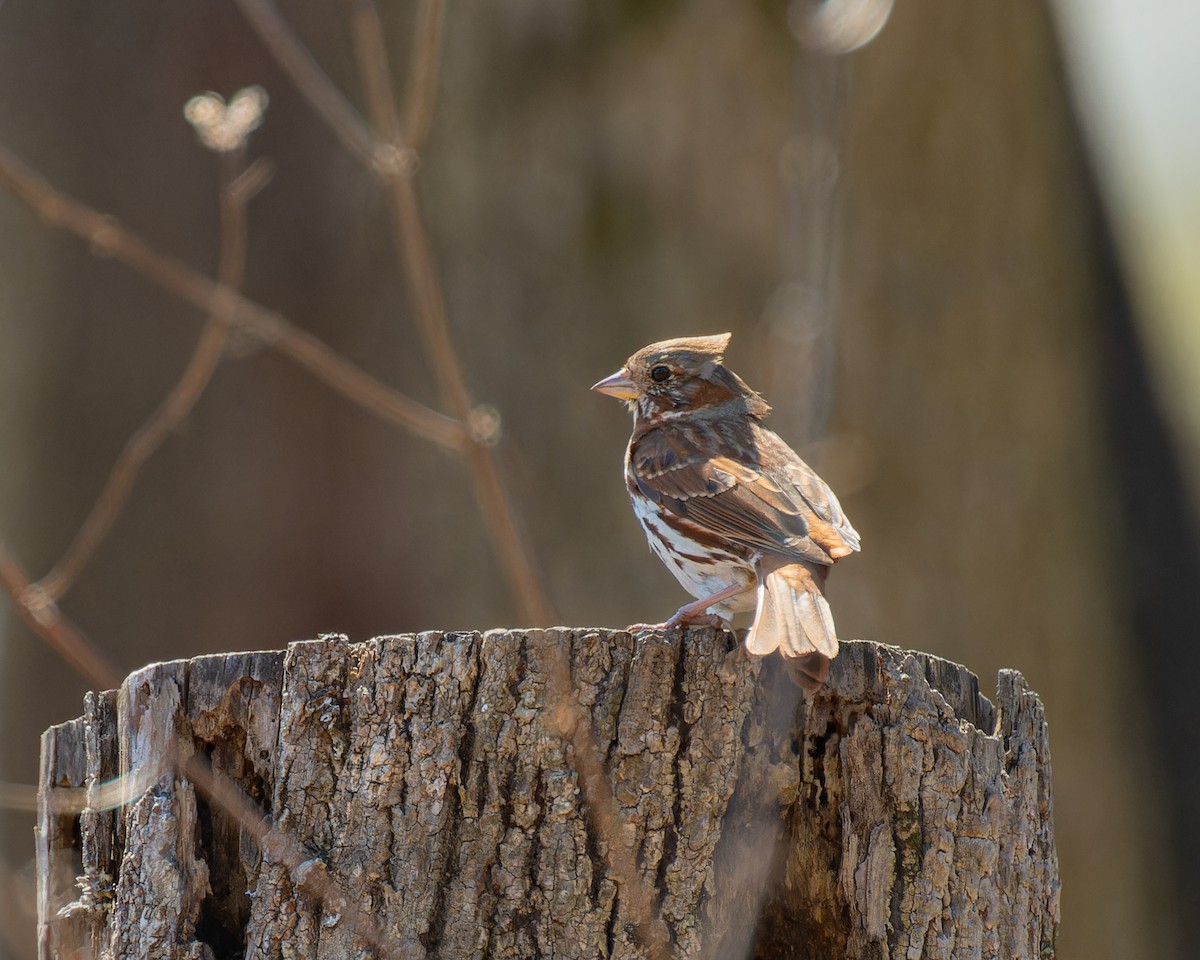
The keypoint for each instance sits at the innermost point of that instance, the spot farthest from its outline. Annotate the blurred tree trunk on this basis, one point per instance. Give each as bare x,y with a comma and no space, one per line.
977,293
422,805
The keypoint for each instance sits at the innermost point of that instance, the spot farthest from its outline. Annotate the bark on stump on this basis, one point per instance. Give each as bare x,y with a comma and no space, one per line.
418,787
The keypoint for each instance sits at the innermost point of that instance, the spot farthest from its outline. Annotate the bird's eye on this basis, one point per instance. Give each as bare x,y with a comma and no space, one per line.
660,373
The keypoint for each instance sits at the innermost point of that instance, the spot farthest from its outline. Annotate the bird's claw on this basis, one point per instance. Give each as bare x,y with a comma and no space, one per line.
680,619
645,627
696,620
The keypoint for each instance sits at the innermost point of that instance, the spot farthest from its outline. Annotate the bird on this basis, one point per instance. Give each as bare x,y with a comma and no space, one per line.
732,511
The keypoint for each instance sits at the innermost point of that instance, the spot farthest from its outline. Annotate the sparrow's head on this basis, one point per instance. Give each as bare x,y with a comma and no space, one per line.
676,377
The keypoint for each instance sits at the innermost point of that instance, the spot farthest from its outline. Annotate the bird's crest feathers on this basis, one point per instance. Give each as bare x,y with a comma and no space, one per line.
699,350
699,358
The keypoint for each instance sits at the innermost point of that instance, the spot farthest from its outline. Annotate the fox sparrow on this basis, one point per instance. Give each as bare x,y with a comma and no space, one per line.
739,519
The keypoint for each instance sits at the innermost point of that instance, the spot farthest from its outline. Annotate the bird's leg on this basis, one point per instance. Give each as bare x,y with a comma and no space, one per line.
694,612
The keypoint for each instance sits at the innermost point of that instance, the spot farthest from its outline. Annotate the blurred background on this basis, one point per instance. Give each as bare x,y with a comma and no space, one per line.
956,244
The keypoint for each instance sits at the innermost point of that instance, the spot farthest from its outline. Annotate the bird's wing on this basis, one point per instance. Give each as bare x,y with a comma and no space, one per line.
737,500
803,482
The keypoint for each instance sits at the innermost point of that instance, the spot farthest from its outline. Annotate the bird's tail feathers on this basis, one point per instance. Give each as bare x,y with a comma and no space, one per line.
793,617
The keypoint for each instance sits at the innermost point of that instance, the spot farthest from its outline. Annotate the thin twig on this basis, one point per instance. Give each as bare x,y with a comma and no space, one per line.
22,797
417,263
306,872
222,792
109,238
430,309
307,74
374,70
571,720
36,604
495,505
416,260
236,191
392,160
43,617
67,801
422,79
565,711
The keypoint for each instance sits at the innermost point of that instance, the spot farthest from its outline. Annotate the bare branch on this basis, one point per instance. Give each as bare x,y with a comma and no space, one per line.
416,260
417,263
108,237
307,872
43,617
236,191
223,793
374,70
497,510
572,721
308,76
22,797
63,801
422,79
430,309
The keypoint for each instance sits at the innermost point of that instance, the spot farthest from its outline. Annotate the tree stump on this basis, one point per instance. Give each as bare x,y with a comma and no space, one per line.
415,796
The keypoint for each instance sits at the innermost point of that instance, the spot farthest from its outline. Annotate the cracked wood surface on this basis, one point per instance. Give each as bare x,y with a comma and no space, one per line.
437,813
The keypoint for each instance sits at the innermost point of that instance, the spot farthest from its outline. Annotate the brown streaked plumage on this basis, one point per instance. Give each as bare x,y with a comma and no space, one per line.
740,520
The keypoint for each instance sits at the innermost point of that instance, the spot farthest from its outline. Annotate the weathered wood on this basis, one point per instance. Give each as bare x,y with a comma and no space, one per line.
424,804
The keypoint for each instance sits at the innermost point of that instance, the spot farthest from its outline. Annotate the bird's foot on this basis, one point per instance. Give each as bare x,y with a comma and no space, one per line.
682,618
695,620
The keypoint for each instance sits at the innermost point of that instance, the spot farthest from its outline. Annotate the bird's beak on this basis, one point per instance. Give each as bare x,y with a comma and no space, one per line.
618,385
